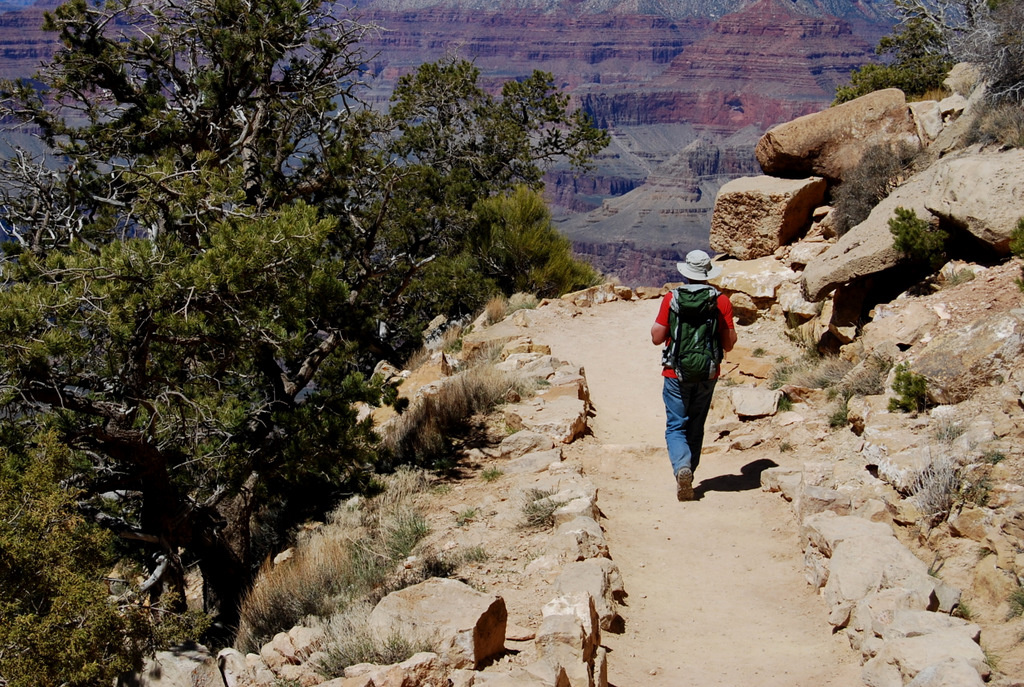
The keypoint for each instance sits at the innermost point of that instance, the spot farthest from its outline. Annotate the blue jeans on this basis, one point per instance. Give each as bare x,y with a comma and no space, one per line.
686,409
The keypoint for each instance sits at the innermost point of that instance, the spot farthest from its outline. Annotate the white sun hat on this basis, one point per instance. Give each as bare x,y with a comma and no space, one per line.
698,266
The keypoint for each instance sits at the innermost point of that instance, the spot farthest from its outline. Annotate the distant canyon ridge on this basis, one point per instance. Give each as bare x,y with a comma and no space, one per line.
684,87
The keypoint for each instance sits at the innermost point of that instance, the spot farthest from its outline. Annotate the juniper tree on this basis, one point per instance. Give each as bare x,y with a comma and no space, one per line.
201,261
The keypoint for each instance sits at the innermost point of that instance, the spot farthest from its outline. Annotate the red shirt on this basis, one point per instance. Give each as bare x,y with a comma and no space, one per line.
724,322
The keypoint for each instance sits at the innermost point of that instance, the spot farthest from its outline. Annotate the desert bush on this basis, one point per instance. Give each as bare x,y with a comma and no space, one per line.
999,124
349,640
993,456
423,435
815,372
285,594
539,508
349,560
866,379
491,474
522,301
918,239
935,488
911,389
948,430
496,309
840,416
1017,248
880,170
1016,603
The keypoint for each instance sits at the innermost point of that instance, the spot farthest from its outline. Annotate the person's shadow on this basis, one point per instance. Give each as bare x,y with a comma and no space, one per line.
749,478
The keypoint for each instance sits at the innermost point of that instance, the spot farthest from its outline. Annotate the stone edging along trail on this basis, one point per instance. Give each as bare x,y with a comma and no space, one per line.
716,594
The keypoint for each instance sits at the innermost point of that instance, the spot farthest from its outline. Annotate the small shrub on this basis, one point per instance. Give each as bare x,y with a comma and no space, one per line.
287,593
539,508
1001,125
840,417
822,372
963,610
333,567
912,390
993,457
868,378
466,516
947,431
880,170
977,492
785,403
438,565
491,474
423,434
785,447
522,301
1016,601
935,488
759,352
475,554
496,309
350,640
918,239
961,277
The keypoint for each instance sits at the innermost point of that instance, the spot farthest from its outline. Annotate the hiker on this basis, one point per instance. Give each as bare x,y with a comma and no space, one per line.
701,318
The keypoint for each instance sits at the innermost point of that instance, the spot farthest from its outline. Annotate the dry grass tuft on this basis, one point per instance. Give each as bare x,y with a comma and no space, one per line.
351,640
496,309
812,371
354,557
539,508
936,487
422,434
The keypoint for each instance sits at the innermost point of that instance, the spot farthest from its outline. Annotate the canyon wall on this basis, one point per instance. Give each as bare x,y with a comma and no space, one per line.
684,89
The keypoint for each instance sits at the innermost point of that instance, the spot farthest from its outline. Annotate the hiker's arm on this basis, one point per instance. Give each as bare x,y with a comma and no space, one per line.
728,339
659,334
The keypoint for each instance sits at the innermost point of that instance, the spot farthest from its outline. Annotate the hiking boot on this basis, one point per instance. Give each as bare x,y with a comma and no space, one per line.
684,485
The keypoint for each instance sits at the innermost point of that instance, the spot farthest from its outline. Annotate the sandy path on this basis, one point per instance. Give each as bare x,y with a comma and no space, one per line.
716,589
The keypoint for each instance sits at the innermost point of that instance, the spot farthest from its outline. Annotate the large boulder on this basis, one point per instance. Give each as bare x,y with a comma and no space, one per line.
754,216
902,660
956,363
187,665
831,142
468,626
759,279
867,248
982,193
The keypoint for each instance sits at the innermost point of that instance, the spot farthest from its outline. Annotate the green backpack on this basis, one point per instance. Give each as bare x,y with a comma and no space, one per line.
695,349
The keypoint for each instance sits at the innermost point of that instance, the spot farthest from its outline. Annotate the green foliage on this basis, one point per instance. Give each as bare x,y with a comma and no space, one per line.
59,623
840,417
199,292
517,247
1017,247
918,239
993,456
912,390
1016,601
917,62
491,474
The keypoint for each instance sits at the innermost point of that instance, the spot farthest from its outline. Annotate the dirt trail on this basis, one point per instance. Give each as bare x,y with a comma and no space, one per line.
716,590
